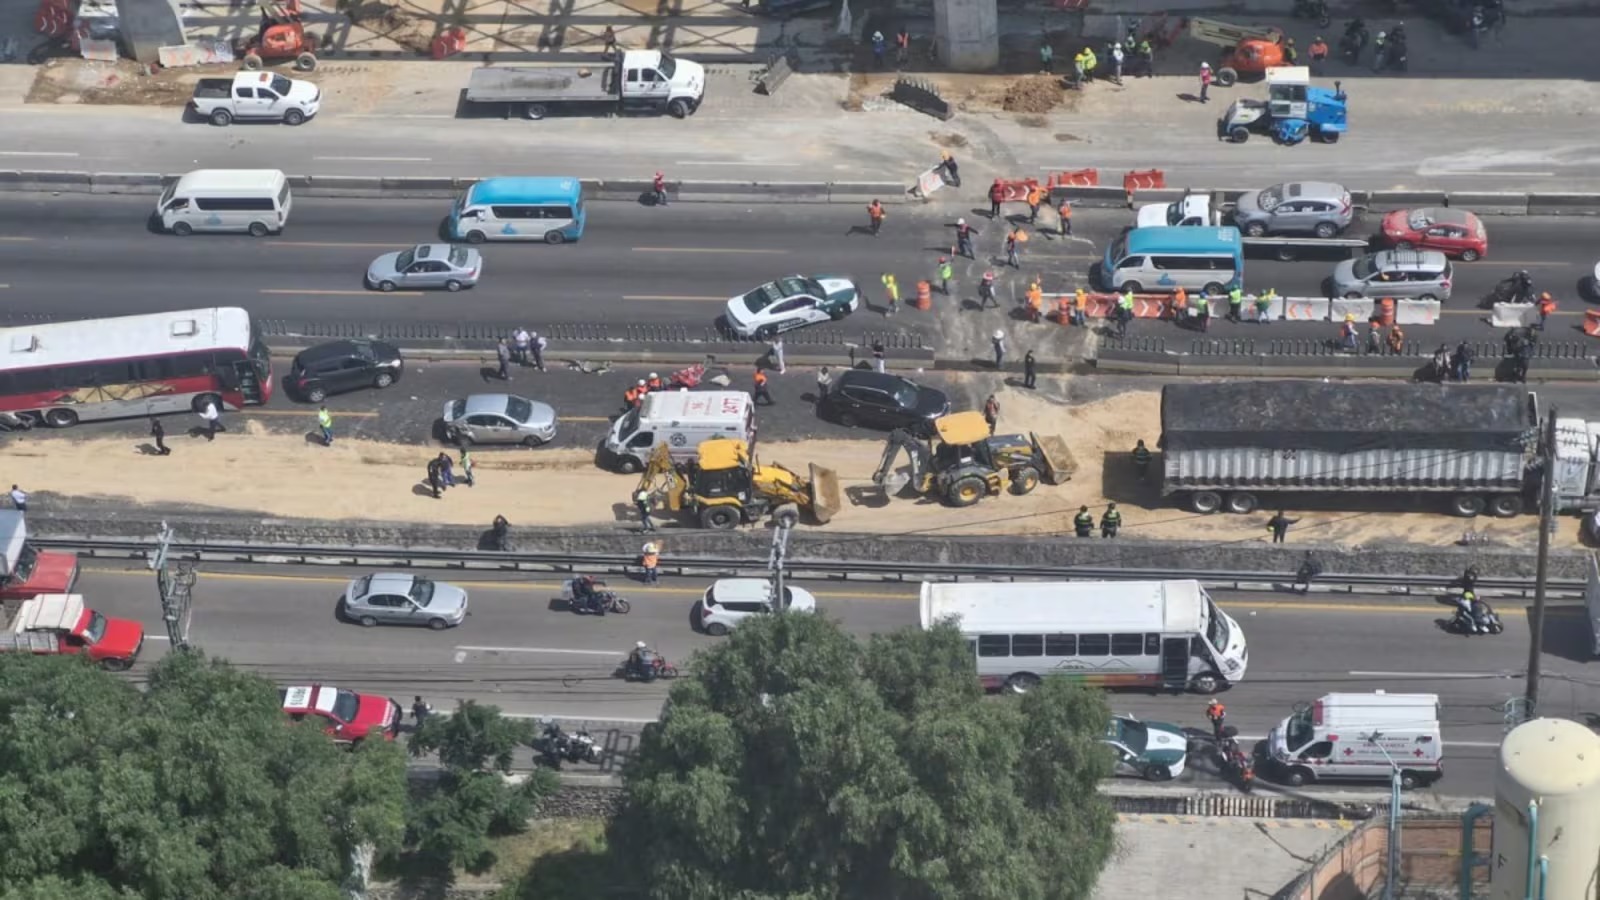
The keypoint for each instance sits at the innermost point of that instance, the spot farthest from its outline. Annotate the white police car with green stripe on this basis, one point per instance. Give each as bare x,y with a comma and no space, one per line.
1152,750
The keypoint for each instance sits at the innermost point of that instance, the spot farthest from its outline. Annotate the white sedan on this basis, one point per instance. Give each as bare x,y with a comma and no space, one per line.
790,302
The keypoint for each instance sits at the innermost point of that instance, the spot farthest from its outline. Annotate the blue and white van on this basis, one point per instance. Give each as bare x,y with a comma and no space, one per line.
520,209
1162,259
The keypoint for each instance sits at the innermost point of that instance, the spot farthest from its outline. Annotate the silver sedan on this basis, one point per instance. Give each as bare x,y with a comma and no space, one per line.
426,266
392,598
499,419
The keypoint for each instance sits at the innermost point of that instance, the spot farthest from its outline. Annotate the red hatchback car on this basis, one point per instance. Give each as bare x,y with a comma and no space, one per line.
346,716
1453,232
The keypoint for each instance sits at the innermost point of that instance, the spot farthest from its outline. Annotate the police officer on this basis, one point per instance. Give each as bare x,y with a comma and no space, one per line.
1141,459
1083,522
1235,303
1202,310
1111,521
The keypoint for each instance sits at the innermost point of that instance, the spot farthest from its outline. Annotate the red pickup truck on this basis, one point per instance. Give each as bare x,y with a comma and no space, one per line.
27,572
60,623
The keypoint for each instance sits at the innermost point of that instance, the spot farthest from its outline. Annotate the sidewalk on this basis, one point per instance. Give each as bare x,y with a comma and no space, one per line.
1172,856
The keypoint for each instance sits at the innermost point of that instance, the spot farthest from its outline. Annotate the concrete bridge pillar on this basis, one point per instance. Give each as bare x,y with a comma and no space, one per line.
966,34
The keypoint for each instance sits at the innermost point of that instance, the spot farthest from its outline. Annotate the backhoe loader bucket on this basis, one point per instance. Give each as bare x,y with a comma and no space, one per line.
1059,465
825,499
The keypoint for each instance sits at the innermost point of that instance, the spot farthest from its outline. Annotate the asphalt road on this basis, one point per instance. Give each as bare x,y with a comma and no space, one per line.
675,265
519,652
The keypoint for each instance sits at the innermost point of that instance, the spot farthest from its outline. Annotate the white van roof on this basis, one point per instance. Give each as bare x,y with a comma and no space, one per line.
1045,607
1377,710
265,181
680,406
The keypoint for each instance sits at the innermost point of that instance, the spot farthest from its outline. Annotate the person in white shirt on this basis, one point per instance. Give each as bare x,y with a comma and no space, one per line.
19,499
213,420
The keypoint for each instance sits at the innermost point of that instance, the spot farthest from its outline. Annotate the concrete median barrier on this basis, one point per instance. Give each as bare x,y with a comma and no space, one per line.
344,186
1489,203
1564,204
1514,315
403,187
126,182
1384,201
1092,197
65,182
865,191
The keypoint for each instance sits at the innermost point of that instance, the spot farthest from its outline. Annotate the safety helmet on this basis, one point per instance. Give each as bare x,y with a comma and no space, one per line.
961,221
641,382
998,334
1349,317
654,375
1317,39
1545,296
1382,35
639,644
1291,42
944,154
943,259
1205,65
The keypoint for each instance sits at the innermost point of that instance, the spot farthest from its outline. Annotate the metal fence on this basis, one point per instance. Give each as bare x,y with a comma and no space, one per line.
1434,854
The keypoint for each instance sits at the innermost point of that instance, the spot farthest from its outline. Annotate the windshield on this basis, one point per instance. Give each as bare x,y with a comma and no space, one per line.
905,397
773,291
345,705
1175,213
1419,220
362,587
421,591
518,409
96,629
458,409
668,67
1120,247
1217,628
1270,198
26,560
628,424
1364,267
280,85
1133,735
458,256
406,258
1299,732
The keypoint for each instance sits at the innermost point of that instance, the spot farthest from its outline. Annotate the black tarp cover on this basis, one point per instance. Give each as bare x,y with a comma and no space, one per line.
1345,418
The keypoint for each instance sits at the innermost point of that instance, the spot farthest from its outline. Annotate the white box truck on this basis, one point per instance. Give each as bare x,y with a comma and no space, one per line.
1359,737
681,420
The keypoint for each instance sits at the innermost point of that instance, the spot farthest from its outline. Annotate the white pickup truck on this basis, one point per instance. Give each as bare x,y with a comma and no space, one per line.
255,95
639,81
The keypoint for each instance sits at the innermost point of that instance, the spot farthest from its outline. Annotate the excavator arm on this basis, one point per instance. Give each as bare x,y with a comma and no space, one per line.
916,452
661,475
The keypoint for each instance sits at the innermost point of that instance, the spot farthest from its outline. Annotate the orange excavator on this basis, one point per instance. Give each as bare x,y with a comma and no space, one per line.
1249,52
283,36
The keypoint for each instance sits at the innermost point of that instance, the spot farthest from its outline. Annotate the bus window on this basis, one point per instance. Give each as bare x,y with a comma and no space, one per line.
1127,645
1027,645
1152,645
1094,645
994,645
1060,645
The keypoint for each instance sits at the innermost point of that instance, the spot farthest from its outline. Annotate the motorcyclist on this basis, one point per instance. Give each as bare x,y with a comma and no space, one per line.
552,743
588,593
1522,287
642,661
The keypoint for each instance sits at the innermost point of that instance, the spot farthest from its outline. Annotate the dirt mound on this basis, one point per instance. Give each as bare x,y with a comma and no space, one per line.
1033,94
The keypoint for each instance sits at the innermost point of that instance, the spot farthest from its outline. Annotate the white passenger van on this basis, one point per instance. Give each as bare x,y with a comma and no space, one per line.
253,201
1159,634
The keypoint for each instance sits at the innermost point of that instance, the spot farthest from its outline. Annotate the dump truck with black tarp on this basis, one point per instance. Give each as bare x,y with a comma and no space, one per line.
1235,447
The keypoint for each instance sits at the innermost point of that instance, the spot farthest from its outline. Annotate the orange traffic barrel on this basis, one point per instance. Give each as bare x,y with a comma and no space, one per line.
924,299
1591,322
1386,312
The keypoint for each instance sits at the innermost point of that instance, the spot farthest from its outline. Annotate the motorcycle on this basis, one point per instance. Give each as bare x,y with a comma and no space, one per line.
1235,763
592,600
581,748
550,747
648,667
1471,617
1313,9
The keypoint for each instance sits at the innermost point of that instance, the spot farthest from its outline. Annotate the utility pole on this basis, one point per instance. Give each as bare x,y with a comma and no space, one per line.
1547,511
778,557
174,583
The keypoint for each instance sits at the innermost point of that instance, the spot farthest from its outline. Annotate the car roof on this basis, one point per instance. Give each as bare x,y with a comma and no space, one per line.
1313,190
1443,215
346,347
390,583
432,251
742,590
304,698
1410,259
487,403
867,377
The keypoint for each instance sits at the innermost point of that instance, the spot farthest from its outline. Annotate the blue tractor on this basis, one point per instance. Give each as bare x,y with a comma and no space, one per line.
1292,112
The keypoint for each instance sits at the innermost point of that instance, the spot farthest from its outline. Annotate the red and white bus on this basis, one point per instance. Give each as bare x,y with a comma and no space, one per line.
62,373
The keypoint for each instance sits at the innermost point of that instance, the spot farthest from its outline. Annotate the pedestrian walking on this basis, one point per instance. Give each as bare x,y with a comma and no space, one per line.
325,422
1047,57
1279,525
1110,521
1080,65
1216,714
433,476
466,469
658,189
1013,240
1202,310
1034,298
964,233
891,289
502,352
1030,370
1347,332
1064,218
1264,303
500,535
991,412
1235,303
876,215
902,46
213,420
536,345
419,711
641,502
1141,460
610,39
650,561
1461,362
520,341
952,171
760,392
1547,308
1083,523
945,274
159,433
879,363
774,353
879,48
447,470
1035,197
1080,308
997,195
1205,81
824,382
19,499
1147,58
1397,340
998,339
1374,340
986,297
1319,55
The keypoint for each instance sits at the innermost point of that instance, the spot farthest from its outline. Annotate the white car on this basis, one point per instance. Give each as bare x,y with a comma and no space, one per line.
790,302
732,600
1154,751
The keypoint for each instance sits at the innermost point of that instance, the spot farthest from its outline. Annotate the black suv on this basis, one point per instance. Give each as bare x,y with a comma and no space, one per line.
339,366
865,397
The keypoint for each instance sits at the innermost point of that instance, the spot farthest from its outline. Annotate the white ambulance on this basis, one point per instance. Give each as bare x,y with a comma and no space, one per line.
1359,737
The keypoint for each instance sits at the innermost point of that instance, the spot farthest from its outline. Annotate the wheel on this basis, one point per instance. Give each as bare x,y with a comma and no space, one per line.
1404,245
967,491
306,62
294,117
252,61
1256,229
386,286
1286,254
1205,502
221,118
1330,137
1238,134
717,629
533,112
1324,21
367,621
259,229
848,420
532,441
1214,289
1024,480
719,518
1134,286
678,109
787,515
622,606
1205,683
383,380
116,665
1428,297
765,332
1226,76
182,229
1243,503
554,237
1021,683
669,671
475,237
1506,505
1409,780
452,285
1158,773
455,436
1326,230
1466,505
629,465
1469,256
1297,777
438,624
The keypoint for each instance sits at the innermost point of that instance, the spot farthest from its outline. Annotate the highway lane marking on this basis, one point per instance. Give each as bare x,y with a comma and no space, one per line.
36,153
734,162
334,293
376,158
5,287
538,650
15,240
1438,675
704,250
325,244
307,413
672,297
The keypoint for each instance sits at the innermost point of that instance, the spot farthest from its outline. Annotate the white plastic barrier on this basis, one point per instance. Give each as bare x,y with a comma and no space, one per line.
1513,315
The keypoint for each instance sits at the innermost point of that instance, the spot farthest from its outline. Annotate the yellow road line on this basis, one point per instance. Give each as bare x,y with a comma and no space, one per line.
585,418
330,293
332,244
1508,262
703,250
671,297
307,413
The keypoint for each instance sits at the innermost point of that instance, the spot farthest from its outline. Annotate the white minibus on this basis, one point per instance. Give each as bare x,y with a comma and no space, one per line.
255,201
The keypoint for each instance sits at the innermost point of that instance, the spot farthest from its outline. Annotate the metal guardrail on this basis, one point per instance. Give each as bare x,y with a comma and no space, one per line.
838,570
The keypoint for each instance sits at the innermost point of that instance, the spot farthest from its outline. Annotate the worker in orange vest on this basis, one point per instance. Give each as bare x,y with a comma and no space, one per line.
650,560
1547,308
876,215
654,383
760,391
1035,197
1180,304
634,395
1082,302
1217,713
1035,301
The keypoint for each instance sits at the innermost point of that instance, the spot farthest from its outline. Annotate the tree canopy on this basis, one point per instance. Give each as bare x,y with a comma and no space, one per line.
797,763
195,788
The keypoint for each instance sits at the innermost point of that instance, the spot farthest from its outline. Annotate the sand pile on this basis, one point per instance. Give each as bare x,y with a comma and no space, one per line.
1032,94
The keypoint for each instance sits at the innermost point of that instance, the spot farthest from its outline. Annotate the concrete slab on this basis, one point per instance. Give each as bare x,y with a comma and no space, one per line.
1157,855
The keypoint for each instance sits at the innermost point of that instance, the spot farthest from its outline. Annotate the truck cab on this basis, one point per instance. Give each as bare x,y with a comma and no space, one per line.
52,624
1359,737
27,571
1190,210
650,78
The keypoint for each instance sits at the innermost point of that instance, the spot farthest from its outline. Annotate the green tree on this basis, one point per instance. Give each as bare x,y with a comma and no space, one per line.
798,764
195,788
451,821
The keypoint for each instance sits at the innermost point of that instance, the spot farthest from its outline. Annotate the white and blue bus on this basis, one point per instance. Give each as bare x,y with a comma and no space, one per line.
520,209
1167,635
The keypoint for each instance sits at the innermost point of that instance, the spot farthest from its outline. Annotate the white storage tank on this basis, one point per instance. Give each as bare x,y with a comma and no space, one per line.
1554,764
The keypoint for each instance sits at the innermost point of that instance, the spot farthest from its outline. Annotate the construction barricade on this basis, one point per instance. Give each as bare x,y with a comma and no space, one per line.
1074,178
1148,180
1591,322
1015,191
1294,309
1514,315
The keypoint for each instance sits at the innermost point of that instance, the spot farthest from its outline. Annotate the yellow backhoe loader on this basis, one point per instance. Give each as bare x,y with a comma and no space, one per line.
724,485
963,463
